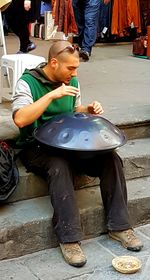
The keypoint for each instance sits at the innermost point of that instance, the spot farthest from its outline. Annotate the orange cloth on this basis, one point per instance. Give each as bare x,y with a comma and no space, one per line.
133,14
64,16
148,42
124,14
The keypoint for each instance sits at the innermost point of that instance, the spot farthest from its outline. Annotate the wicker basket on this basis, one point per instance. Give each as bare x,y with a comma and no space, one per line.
126,264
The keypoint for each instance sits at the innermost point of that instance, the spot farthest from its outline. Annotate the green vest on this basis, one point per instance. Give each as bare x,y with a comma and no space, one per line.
58,106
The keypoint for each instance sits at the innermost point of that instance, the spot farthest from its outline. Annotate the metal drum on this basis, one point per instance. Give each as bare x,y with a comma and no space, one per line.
80,132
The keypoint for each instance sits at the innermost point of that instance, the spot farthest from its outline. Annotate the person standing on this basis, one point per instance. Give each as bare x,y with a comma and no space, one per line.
18,15
86,14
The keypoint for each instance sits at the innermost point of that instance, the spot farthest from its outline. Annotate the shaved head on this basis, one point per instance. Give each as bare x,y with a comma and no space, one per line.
60,48
63,61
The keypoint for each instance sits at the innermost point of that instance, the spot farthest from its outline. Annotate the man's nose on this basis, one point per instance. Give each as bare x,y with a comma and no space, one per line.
74,73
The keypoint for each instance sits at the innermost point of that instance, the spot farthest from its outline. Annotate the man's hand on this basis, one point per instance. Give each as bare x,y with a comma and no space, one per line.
63,91
95,108
106,2
27,5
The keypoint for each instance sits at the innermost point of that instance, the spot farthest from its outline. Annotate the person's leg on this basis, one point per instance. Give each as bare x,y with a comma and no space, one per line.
17,19
114,192
78,7
58,174
109,168
114,195
91,13
66,220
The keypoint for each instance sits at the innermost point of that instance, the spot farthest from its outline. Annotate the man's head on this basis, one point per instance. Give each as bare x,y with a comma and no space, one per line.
63,61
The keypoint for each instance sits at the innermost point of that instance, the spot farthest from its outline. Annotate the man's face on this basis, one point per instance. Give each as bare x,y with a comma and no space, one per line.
66,68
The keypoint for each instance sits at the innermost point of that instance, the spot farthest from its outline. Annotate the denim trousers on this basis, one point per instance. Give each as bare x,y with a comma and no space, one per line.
58,170
86,14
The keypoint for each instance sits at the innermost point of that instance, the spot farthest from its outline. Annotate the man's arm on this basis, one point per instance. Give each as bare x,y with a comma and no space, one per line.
29,113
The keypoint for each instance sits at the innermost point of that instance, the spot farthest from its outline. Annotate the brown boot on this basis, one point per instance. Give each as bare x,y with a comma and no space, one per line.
128,239
73,254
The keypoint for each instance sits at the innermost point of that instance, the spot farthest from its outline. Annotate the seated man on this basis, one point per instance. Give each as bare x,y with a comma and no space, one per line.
42,93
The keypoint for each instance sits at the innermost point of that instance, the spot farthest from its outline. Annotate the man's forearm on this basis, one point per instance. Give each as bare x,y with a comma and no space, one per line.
29,113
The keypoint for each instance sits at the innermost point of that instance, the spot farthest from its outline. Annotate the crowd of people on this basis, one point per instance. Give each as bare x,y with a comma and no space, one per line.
19,14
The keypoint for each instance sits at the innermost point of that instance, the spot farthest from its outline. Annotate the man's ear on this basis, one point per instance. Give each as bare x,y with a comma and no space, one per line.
53,63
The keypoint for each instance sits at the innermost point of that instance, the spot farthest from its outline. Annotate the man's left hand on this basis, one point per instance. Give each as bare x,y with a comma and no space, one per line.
95,108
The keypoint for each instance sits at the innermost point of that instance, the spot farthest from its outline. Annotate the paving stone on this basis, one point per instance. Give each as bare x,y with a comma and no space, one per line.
50,265
15,271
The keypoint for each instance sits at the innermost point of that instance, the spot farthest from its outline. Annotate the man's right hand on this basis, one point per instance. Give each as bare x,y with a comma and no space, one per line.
63,91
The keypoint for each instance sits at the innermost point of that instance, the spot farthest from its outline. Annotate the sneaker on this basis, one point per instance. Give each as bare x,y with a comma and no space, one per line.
128,239
84,54
31,47
73,254
20,52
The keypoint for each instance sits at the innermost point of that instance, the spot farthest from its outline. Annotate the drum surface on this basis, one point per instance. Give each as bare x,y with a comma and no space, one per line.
80,132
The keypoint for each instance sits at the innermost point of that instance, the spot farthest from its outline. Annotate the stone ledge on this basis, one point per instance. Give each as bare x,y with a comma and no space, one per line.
135,155
26,227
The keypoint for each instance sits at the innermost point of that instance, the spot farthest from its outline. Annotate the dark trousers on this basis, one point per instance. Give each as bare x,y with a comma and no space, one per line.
57,170
18,20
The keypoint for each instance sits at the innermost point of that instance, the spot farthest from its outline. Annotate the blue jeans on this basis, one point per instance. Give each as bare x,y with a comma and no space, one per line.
104,18
86,15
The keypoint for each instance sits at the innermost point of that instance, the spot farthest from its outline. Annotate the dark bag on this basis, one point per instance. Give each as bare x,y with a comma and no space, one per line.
140,46
9,175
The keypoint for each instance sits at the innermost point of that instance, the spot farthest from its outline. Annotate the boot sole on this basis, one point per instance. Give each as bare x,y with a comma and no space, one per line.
137,249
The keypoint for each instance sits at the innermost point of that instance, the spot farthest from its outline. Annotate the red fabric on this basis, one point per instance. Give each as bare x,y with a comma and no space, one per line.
64,16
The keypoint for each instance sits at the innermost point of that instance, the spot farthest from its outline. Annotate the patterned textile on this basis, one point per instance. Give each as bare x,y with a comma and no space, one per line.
64,16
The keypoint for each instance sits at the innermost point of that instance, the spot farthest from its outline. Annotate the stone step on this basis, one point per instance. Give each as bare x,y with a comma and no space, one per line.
136,130
136,157
26,226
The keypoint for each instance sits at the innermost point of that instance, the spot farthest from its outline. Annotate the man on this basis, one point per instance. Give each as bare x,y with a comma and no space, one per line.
42,93
86,15
18,16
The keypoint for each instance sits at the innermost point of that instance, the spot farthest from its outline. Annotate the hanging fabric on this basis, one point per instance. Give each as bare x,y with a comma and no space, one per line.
103,19
125,15
133,14
64,17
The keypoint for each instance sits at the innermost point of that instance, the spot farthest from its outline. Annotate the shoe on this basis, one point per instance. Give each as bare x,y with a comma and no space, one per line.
31,46
20,52
84,54
73,254
128,239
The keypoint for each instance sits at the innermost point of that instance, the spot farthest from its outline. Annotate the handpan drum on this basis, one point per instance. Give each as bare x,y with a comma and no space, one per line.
80,132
